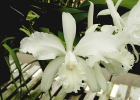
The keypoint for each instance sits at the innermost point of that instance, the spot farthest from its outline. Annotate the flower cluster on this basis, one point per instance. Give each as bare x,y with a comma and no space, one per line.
97,46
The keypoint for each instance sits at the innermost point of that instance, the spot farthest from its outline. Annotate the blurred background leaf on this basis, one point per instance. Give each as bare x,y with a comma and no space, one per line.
70,10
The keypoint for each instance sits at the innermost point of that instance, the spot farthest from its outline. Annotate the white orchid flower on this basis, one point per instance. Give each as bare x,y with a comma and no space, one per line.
109,29
106,11
113,11
132,28
113,61
71,69
128,25
115,15
91,27
134,13
109,60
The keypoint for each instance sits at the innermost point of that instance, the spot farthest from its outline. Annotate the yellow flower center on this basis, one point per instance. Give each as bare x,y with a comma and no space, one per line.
70,65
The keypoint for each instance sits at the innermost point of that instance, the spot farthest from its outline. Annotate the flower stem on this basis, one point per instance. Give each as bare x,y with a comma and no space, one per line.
110,78
50,93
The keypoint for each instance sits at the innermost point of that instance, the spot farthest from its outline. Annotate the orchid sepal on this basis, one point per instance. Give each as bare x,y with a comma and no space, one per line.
100,77
69,30
49,73
90,74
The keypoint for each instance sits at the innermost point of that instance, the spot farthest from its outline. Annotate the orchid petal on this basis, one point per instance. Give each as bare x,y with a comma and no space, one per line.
43,46
136,53
100,77
50,72
127,59
114,68
125,35
90,74
134,39
116,17
124,57
69,29
133,12
90,14
122,22
95,43
108,29
117,4
91,29
93,59
136,26
130,34
104,12
70,57
125,17
116,56
71,77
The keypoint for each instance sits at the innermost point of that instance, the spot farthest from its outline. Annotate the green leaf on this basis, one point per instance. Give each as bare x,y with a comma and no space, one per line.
8,63
61,35
43,29
25,31
32,15
31,62
8,38
15,58
70,10
35,7
12,53
43,64
80,16
16,49
125,3
31,28
77,39
85,3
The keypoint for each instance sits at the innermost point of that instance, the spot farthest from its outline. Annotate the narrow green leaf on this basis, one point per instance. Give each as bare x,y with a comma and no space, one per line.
43,64
85,3
16,49
31,62
61,35
15,58
8,63
8,38
70,10
32,15
35,7
80,16
76,41
43,29
50,95
25,31
31,28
